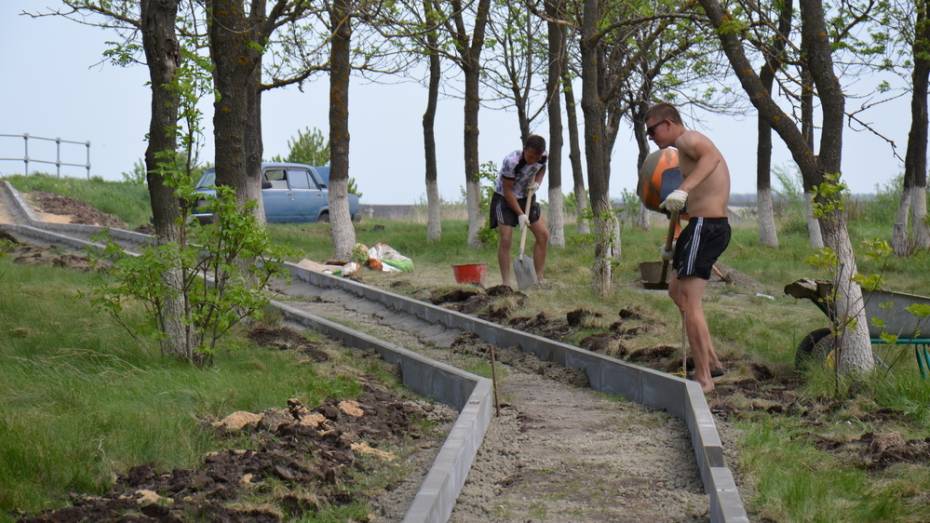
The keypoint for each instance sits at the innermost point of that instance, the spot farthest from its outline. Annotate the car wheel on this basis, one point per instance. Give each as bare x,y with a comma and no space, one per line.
324,217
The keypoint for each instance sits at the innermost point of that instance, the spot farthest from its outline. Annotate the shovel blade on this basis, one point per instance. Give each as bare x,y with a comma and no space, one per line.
525,272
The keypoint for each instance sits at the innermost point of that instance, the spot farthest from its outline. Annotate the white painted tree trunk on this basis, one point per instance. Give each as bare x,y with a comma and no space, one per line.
176,340
765,210
900,242
919,213
856,348
253,192
813,224
475,220
433,212
616,247
601,271
581,203
556,217
343,231
642,217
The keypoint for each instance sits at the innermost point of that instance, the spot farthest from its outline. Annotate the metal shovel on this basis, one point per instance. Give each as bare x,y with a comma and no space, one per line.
523,266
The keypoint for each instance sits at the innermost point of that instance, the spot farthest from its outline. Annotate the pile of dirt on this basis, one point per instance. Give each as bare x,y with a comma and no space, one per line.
301,461
79,212
282,338
26,254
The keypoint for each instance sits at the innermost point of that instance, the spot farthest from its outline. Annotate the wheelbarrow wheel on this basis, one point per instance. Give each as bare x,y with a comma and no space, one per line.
814,348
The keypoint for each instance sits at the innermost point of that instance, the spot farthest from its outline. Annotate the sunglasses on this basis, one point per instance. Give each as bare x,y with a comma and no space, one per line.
651,130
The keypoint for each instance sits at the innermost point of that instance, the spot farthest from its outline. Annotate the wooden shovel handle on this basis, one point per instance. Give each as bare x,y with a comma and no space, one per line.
672,222
529,202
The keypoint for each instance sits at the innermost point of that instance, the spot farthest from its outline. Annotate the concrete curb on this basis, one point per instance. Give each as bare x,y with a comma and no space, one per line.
468,393
26,216
681,398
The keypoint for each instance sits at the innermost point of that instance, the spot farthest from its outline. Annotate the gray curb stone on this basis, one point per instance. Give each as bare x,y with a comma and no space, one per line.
468,393
681,398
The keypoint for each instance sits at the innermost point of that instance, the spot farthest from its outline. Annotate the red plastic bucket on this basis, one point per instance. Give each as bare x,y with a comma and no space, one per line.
470,273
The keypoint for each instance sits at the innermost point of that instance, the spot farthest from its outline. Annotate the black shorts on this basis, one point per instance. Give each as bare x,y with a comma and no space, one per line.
699,246
502,214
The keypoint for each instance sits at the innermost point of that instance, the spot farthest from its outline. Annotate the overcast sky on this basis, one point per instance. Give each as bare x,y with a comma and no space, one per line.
51,88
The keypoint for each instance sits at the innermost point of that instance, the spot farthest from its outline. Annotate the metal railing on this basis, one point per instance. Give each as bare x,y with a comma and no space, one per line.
57,163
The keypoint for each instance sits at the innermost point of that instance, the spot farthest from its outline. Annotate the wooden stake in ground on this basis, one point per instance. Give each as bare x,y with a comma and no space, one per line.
497,405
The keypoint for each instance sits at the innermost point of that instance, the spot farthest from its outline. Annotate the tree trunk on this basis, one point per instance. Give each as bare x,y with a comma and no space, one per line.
768,234
233,64
915,160
766,214
595,138
163,56
343,232
472,181
553,88
900,240
641,219
254,148
574,154
815,238
856,352
433,201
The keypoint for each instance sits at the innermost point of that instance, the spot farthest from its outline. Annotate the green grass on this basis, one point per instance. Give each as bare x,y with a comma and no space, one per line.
80,399
797,482
129,202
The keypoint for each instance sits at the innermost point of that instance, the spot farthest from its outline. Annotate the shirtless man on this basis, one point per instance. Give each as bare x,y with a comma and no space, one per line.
706,191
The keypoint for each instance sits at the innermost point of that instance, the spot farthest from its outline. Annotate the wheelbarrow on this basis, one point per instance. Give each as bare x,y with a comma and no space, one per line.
887,314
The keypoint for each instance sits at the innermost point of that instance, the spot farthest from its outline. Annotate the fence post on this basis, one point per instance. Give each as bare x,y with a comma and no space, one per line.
58,157
88,159
26,152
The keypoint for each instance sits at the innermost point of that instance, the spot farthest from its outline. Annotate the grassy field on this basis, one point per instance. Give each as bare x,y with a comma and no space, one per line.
80,399
786,470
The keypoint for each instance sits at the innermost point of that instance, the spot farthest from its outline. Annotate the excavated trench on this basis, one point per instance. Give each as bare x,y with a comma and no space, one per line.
558,450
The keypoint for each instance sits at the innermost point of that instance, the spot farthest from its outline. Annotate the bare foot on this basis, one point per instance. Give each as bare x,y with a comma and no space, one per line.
708,387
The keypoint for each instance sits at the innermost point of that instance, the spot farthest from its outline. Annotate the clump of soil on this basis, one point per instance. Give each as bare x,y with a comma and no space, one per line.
27,254
79,212
282,338
606,344
304,450
542,325
473,345
582,317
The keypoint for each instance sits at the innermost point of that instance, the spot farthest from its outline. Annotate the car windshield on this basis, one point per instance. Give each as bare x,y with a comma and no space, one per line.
208,179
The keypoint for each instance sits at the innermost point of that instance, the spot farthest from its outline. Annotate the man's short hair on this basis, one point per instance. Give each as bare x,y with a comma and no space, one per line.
536,143
665,111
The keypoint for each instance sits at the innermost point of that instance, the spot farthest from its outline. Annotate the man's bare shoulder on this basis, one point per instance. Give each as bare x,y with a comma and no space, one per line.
694,143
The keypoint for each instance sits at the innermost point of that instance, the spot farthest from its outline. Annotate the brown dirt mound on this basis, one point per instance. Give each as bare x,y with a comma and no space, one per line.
80,212
474,346
305,451
286,339
26,254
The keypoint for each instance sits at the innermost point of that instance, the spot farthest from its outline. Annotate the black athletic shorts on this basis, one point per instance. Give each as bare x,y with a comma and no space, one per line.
502,214
699,246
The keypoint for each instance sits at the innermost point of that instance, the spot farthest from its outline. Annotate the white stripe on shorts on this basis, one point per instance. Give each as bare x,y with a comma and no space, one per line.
695,245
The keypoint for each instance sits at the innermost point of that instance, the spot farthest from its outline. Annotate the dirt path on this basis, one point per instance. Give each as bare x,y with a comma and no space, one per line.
5,216
558,452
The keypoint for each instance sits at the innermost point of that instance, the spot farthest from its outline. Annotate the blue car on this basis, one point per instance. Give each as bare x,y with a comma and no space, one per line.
291,192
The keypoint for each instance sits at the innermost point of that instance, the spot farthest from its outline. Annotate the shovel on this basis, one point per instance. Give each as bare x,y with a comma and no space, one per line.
523,266
662,282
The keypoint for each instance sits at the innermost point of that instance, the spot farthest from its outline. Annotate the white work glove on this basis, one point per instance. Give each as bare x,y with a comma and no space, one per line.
524,220
675,201
666,253
532,187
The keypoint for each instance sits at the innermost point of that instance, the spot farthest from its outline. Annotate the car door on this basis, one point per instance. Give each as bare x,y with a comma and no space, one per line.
301,194
321,193
276,197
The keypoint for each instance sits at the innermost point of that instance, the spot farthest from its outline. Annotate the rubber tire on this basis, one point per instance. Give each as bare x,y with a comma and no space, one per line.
324,217
814,348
